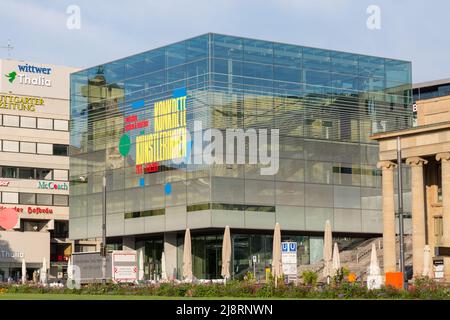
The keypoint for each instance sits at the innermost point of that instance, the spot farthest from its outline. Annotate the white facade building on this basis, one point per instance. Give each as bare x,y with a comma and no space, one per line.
34,166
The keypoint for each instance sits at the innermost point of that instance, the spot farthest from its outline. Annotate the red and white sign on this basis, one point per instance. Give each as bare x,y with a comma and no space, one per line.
4,183
124,266
8,218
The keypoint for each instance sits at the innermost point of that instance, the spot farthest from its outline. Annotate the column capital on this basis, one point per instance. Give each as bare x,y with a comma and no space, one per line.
444,156
386,165
416,162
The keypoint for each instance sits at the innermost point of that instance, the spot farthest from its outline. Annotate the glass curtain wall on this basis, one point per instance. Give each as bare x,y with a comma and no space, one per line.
324,103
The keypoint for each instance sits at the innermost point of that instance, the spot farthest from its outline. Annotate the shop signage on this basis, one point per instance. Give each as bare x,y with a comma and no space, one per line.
31,210
23,103
30,75
8,254
4,183
52,185
168,141
39,210
124,266
289,259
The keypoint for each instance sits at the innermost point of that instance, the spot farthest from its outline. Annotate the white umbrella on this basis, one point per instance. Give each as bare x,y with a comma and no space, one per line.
336,259
69,269
24,271
374,278
226,254
187,257
276,253
327,251
163,267
141,265
427,262
43,274
374,268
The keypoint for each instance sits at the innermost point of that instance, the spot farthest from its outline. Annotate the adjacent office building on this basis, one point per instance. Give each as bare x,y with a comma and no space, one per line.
130,124
34,167
425,150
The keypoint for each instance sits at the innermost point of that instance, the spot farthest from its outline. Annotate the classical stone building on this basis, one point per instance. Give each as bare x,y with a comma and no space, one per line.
425,148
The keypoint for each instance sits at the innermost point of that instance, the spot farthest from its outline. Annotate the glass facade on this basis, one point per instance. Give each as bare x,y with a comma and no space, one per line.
324,103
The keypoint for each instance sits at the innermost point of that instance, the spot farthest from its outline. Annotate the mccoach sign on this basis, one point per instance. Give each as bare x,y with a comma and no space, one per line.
53,185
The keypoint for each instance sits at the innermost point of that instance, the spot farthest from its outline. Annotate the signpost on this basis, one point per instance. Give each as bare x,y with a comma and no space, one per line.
124,266
289,260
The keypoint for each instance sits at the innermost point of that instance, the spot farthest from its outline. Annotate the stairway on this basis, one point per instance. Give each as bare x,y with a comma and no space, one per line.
357,260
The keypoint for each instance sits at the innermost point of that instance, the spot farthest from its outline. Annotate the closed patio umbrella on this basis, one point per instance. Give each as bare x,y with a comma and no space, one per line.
43,274
187,257
69,269
24,271
336,259
374,277
327,251
276,253
141,265
163,267
427,262
374,267
226,254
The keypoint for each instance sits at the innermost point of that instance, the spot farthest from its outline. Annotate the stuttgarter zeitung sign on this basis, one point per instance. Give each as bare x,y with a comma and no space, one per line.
23,103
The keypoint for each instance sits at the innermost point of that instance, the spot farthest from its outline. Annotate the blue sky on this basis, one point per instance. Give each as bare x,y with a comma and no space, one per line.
414,30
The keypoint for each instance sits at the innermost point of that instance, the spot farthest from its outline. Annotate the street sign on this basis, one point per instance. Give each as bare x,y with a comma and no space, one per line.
289,260
124,266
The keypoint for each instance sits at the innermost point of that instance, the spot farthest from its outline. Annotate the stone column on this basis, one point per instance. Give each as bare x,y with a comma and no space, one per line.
170,253
445,164
389,258
418,212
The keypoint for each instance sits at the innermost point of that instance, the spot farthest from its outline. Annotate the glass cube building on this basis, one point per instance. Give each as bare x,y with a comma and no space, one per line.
128,113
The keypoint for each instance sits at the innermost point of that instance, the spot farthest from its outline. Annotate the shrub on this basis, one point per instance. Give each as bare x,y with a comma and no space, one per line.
309,278
421,288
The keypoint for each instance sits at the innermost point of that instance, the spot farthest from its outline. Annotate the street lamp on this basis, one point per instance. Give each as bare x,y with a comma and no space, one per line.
400,212
103,245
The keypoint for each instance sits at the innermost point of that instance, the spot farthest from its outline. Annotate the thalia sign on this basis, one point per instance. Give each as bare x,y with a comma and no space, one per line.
33,75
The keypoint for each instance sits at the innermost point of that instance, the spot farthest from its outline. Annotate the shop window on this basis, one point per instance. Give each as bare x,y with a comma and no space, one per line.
9,172
28,147
11,121
62,175
60,200
26,173
61,125
44,174
60,150
27,122
44,148
10,197
10,146
45,124
33,225
44,199
27,198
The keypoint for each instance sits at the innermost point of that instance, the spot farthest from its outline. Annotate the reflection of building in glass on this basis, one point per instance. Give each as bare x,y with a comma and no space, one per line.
325,104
